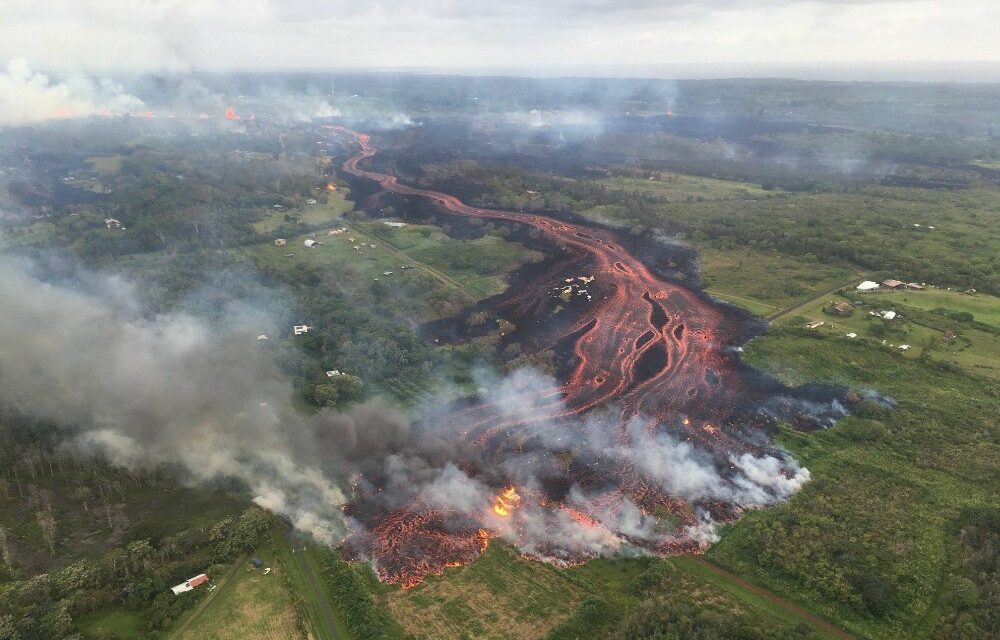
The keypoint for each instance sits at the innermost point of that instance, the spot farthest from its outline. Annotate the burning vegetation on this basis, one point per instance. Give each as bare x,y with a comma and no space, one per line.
651,432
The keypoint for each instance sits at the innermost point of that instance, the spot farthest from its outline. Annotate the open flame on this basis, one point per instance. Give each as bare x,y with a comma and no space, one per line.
330,186
231,114
506,502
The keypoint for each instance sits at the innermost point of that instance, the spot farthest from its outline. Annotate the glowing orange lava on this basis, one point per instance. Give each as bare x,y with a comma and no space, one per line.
506,502
231,114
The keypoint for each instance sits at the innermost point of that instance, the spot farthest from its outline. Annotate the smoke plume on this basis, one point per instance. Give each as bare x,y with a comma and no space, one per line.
27,96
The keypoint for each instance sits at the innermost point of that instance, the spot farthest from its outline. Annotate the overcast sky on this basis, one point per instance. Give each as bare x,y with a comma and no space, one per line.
533,36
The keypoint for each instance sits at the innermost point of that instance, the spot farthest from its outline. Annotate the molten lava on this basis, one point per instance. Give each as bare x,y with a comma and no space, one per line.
231,114
645,359
506,502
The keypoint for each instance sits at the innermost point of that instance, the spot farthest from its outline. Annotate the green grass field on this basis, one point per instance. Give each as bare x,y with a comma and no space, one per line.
886,487
116,623
764,282
335,205
247,606
421,259
680,187
500,596
321,618
974,350
984,307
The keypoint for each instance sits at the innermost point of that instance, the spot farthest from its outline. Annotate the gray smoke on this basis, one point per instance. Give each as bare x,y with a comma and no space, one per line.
170,389
175,389
27,96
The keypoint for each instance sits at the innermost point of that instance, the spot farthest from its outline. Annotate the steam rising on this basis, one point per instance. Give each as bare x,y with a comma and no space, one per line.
27,96
164,390
173,389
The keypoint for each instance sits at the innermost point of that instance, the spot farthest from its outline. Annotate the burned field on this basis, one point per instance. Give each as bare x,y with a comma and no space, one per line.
649,433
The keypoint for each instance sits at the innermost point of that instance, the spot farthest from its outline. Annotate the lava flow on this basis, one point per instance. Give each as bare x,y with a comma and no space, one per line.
653,430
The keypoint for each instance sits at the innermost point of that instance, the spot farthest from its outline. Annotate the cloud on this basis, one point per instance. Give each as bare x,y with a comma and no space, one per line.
27,96
554,36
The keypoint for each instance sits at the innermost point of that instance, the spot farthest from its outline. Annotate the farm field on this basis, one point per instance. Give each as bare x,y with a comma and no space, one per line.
677,187
420,258
500,596
766,282
974,349
249,605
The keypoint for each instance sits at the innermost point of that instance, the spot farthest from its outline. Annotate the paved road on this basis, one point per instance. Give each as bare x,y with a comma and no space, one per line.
812,298
774,598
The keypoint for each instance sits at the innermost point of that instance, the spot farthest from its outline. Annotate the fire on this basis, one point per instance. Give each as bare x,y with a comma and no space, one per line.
231,114
506,502
330,187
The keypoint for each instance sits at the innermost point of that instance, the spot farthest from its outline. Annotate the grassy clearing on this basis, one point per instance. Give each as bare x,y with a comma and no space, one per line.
743,594
680,187
116,623
249,606
974,350
766,282
304,569
327,211
106,166
867,543
984,307
421,258
500,596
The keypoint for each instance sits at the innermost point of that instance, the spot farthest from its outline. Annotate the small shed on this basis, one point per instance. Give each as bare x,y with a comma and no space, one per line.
256,562
310,243
280,242
916,286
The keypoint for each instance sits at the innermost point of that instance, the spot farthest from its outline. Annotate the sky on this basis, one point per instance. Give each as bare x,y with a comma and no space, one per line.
683,38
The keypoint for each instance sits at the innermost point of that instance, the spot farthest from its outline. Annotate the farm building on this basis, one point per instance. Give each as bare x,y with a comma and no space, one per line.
867,286
280,242
300,329
892,284
916,286
888,315
310,243
840,309
190,584
113,223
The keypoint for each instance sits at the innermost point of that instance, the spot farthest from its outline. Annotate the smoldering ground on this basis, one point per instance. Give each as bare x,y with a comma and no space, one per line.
173,388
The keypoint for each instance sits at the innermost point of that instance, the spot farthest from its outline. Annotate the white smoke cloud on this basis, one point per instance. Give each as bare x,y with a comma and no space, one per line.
27,96
170,389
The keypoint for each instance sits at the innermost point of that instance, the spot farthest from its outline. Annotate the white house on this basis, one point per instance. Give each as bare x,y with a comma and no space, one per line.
888,315
300,329
867,286
190,584
310,243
